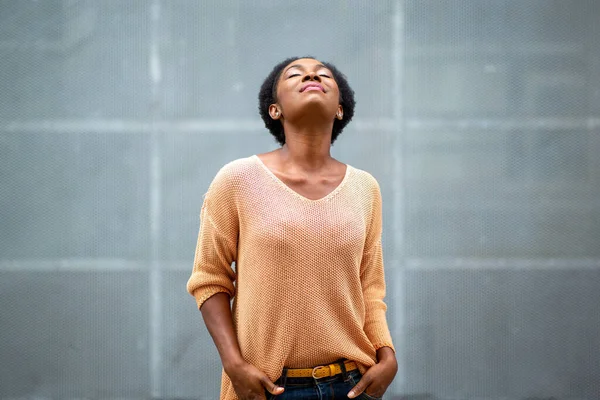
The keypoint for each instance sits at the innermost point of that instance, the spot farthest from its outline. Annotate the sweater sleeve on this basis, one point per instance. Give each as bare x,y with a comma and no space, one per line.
216,247
373,278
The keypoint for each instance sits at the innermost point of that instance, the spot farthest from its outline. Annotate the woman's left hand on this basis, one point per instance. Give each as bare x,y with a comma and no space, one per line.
376,379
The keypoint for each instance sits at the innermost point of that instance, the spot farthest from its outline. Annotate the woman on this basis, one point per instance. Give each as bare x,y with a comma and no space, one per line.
308,318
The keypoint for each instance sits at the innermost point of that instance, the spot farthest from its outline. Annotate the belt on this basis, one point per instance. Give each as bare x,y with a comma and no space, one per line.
320,371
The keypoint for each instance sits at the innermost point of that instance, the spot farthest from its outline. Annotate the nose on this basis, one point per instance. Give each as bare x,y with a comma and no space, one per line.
311,76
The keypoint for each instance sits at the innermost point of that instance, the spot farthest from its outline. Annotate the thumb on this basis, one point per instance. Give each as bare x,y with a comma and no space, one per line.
358,388
270,386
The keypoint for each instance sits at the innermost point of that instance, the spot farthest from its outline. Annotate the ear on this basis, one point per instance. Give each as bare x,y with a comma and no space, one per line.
274,111
340,113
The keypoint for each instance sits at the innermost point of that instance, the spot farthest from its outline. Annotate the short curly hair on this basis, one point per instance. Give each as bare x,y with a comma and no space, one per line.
268,95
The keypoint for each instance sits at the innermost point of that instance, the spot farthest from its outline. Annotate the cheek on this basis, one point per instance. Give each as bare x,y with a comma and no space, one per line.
336,90
335,98
285,95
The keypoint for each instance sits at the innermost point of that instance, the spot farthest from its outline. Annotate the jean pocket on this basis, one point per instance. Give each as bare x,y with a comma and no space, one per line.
270,396
364,395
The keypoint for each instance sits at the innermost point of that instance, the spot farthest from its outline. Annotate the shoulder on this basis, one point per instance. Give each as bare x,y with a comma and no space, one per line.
369,193
236,168
366,181
231,175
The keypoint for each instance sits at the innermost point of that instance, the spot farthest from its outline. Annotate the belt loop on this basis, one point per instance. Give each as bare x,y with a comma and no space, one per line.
284,377
343,367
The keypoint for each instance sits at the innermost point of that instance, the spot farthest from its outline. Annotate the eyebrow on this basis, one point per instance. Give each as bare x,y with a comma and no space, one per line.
301,67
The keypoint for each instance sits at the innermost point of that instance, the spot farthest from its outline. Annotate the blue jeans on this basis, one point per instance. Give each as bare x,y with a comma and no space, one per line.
328,388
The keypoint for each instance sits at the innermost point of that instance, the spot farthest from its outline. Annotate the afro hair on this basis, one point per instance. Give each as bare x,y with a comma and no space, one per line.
268,95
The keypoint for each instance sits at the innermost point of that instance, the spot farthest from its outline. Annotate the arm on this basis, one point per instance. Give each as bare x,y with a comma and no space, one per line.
247,380
377,378
216,313
212,285
373,280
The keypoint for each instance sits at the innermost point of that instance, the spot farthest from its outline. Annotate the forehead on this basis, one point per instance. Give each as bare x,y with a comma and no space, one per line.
304,63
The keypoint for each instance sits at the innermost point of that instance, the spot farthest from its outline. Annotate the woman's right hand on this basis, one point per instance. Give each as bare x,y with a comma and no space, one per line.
250,383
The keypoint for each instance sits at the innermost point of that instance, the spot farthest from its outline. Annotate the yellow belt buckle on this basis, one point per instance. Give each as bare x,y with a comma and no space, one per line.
315,370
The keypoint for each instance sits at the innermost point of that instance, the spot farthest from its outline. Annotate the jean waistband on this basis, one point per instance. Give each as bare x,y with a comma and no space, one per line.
310,381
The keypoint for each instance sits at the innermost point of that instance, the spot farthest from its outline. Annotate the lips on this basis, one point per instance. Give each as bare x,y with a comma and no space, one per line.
312,86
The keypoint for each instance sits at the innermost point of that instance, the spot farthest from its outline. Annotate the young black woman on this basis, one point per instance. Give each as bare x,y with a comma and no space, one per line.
308,319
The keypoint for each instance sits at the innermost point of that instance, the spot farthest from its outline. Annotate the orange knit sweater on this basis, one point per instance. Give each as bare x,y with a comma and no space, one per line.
309,277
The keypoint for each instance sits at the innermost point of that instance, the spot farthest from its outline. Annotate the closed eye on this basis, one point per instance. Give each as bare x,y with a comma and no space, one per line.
325,75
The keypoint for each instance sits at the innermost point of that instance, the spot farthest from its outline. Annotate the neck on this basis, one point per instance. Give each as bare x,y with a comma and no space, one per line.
307,147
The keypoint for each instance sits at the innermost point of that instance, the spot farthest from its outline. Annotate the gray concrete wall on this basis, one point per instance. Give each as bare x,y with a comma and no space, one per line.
480,119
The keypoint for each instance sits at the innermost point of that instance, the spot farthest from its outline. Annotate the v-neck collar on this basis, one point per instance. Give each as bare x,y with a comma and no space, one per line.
293,192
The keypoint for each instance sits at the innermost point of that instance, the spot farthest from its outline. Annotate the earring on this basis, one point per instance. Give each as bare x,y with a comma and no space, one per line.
339,115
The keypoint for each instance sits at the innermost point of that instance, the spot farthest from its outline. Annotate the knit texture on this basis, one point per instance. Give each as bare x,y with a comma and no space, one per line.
308,283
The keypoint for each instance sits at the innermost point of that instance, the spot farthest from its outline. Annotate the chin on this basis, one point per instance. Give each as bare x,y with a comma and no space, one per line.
318,106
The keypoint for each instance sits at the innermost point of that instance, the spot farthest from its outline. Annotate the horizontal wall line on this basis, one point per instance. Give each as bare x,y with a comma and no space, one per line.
475,263
209,126
412,263
453,50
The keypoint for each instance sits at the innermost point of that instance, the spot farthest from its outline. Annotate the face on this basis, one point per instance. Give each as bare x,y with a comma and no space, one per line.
307,87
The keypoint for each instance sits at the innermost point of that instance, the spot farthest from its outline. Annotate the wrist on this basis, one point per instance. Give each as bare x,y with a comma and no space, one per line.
233,364
386,354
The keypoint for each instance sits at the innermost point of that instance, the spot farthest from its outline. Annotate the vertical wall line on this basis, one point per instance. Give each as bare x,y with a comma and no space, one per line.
399,190
155,281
